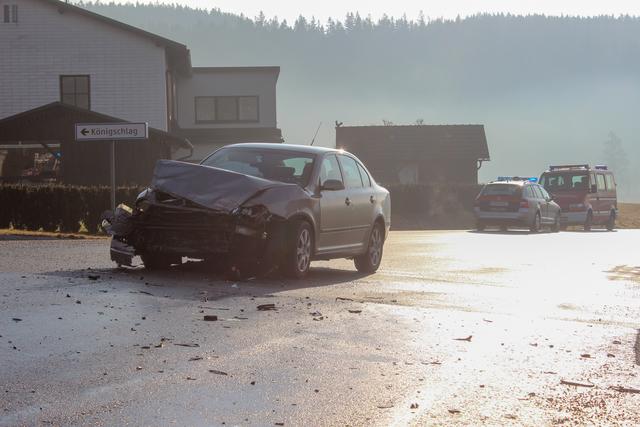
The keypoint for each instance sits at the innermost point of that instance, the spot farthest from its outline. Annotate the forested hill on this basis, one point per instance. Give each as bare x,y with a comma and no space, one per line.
547,89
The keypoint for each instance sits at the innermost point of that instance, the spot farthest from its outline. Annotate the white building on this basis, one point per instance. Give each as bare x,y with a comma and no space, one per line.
51,51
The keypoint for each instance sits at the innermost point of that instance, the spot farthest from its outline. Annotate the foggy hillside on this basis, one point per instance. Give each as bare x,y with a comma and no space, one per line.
547,89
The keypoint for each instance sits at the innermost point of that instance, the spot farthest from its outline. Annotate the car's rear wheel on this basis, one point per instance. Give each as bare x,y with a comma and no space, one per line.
480,226
556,224
158,261
300,248
588,222
371,259
611,223
535,225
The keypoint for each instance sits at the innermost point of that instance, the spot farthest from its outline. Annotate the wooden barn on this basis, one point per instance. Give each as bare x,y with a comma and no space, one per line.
418,154
49,129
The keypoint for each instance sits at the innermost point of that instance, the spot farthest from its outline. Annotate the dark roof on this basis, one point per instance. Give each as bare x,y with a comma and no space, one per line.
177,53
262,69
413,140
24,126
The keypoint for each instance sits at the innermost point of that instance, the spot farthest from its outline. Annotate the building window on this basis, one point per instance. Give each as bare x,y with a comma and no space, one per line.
226,109
10,13
75,90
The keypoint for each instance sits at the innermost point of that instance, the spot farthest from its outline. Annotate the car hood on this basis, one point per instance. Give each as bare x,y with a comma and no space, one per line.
210,187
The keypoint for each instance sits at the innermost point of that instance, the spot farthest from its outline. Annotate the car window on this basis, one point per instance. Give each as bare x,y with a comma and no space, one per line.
500,190
611,185
600,182
365,176
352,177
276,165
545,195
330,169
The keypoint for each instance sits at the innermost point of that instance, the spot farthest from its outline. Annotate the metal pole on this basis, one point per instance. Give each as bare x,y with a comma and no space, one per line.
113,176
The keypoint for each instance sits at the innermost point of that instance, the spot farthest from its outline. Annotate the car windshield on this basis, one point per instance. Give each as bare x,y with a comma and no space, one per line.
500,190
275,165
553,182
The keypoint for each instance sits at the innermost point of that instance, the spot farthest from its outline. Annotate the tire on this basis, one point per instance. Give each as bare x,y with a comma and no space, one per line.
371,259
588,222
156,261
555,228
480,226
611,223
299,249
535,226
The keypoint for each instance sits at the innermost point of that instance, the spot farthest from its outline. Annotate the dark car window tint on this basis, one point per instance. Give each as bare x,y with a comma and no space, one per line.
500,190
601,184
365,176
611,185
275,165
330,169
553,182
351,175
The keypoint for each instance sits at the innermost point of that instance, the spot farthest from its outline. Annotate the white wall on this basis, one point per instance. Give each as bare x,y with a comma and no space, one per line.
127,71
233,82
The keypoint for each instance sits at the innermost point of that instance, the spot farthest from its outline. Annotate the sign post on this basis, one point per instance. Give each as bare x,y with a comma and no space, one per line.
111,132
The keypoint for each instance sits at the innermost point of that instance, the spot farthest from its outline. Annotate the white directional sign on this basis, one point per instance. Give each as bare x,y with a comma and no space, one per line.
111,131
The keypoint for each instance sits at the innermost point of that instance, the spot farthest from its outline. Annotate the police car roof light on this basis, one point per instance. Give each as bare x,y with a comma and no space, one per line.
560,167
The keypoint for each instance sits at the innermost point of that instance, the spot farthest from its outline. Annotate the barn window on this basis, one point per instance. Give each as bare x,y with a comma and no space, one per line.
226,109
75,90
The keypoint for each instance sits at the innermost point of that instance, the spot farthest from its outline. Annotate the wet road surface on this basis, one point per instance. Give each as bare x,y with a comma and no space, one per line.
457,328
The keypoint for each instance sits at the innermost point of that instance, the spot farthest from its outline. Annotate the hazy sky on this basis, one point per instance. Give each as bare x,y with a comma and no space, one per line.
322,9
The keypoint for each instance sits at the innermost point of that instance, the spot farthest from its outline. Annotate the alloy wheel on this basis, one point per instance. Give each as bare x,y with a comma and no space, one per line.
375,246
303,250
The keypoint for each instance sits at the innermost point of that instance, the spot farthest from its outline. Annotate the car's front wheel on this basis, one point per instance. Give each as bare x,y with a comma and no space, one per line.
300,248
556,225
611,223
370,260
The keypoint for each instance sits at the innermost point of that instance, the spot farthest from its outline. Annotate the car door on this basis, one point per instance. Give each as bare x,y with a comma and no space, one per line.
359,198
601,214
541,202
335,210
551,211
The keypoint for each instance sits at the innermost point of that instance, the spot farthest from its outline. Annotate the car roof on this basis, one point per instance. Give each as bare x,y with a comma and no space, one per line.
308,149
512,182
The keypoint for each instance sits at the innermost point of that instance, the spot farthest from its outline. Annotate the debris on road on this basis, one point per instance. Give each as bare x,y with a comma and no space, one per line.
355,311
468,339
388,405
617,342
343,299
93,276
454,411
210,318
195,358
414,406
622,389
191,379
146,293
266,307
577,384
138,368
17,319
187,344
586,356
214,371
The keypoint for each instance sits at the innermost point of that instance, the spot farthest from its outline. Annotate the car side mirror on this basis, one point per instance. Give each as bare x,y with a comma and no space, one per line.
332,185
594,188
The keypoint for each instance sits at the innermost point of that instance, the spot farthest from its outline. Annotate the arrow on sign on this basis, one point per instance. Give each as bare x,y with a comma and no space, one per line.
84,132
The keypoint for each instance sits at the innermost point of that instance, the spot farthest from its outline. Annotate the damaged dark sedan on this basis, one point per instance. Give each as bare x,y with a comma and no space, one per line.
255,208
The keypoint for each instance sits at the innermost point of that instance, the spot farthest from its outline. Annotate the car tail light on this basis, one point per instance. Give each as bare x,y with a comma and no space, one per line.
524,204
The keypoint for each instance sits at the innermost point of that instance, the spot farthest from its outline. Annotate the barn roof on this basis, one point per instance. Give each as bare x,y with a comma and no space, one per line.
453,140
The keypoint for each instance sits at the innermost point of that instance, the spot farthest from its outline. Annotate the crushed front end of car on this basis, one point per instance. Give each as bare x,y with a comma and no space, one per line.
204,213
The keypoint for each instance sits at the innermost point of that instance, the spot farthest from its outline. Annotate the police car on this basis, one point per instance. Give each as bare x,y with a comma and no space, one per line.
516,202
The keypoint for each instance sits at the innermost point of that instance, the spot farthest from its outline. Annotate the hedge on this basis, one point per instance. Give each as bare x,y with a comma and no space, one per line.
58,207
65,208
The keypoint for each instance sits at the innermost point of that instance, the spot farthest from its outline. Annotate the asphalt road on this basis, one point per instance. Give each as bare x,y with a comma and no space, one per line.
468,328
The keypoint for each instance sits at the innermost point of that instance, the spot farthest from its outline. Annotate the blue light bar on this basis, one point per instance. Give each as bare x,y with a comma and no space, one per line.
517,178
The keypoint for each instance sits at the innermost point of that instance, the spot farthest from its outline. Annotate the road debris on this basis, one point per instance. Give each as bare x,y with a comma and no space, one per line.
577,384
138,368
622,389
16,319
355,311
214,371
414,406
191,379
210,318
586,356
195,358
266,307
468,339
343,299
146,293
454,411
388,405
93,276
187,344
